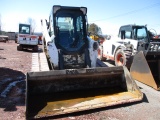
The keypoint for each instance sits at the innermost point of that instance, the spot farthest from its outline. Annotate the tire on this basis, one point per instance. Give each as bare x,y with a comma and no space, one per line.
19,48
123,58
35,48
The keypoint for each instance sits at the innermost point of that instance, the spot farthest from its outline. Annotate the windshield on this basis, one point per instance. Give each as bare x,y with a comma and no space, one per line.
140,33
70,29
24,29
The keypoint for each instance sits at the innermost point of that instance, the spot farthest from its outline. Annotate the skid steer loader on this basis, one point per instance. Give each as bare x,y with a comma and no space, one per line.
137,50
68,80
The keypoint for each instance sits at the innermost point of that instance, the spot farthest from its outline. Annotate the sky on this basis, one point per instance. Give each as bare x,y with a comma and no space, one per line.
109,15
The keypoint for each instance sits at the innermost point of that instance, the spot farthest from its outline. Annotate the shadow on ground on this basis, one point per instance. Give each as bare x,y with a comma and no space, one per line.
12,89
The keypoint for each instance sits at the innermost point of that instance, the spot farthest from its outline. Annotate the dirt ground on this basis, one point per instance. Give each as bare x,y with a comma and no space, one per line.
15,64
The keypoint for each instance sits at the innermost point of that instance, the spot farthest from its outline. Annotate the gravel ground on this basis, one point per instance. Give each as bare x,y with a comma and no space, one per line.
13,67
15,64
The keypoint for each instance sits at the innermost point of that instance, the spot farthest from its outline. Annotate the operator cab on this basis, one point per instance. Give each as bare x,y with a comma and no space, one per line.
134,32
70,28
24,29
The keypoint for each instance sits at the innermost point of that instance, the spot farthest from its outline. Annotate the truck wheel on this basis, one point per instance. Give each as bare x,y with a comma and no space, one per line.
16,41
120,58
123,58
19,48
35,48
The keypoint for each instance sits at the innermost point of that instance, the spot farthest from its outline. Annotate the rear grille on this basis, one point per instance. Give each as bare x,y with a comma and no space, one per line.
73,59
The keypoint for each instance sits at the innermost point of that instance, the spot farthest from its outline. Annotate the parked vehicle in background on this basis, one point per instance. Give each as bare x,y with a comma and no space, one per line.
120,49
3,38
25,39
135,42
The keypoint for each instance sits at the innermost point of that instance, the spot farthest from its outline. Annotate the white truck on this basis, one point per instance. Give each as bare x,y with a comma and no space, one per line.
25,39
3,38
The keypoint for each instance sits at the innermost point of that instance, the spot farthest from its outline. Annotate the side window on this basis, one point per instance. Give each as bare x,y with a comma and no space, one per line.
79,26
128,34
125,34
141,33
79,23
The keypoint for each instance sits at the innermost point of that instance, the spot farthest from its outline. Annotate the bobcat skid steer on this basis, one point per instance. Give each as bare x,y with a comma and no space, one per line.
136,49
72,82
